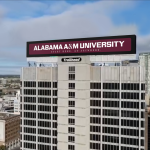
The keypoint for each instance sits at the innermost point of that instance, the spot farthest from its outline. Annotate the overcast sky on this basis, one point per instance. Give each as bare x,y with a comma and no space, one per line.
28,20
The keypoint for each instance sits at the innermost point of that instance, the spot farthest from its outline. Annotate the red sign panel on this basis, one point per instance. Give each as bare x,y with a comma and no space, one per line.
86,46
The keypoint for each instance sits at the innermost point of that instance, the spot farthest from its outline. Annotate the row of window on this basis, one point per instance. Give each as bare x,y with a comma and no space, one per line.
96,146
40,84
125,104
40,92
40,147
97,94
116,86
128,132
124,113
40,123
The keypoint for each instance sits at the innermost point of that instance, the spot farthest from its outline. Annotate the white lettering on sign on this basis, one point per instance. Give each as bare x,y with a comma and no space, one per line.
89,45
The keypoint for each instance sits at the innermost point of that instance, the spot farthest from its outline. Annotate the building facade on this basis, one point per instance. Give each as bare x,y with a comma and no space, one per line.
17,103
77,106
9,130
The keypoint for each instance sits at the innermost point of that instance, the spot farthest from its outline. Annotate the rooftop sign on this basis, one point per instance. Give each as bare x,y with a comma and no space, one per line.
85,46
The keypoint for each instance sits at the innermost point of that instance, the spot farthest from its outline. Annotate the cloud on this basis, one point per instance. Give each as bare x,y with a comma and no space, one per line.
69,21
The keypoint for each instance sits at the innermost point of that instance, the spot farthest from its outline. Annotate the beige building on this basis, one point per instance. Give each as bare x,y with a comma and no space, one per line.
9,130
77,106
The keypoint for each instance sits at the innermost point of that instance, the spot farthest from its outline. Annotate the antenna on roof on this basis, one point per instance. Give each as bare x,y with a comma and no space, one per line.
34,64
29,64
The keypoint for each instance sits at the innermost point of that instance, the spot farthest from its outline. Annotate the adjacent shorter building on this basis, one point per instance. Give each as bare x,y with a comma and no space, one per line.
9,130
17,103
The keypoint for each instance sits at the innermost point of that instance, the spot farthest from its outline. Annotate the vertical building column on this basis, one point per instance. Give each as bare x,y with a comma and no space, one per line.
120,107
36,107
140,108
51,107
101,140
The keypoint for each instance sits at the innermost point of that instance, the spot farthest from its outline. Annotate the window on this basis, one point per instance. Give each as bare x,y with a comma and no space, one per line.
54,92
71,103
29,84
44,116
44,100
71,94
131,114
30,122
29,115
44,139
45,147
96,129
95,146
142,142
71,130
71,68
29,138
54,132
142,96
44,131
54,100
29,92
95,120
54,84
71,76
111,95
95,103
130,86
71,147
110,130
131,123
71,112
114,86
71,121
54,116
29,107
143,105
71,139
44,108
111,139
30,99
94,137
110,121
44,124
130,132
44,84
130,141
44,92
95,94
110,147
95,85
29,145
95,112
142,86
127,95
108,112
125,104
110,103
29,130
71,85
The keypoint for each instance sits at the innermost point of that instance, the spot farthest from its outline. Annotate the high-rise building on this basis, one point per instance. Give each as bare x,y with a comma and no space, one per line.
77,106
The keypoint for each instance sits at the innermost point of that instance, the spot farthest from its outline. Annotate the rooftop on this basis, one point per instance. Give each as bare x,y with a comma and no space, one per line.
5,115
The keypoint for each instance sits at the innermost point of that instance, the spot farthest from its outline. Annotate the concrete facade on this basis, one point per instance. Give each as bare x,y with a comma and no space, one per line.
97,107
